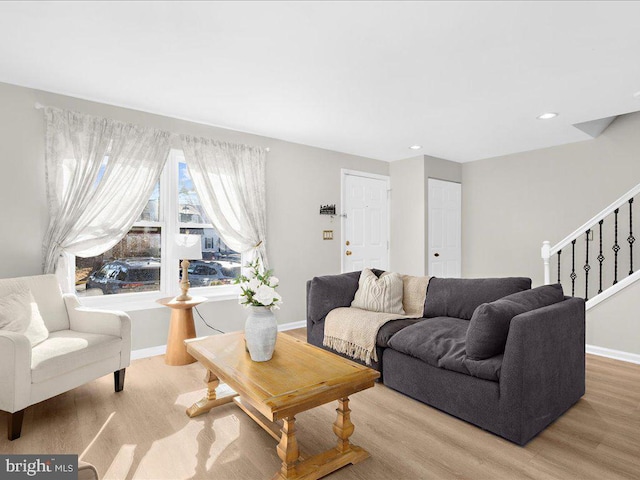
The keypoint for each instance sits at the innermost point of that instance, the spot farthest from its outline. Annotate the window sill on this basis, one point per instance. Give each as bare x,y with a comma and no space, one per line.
131,302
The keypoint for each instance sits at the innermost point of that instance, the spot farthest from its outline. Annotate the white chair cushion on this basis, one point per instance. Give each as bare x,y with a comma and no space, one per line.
19,313
46,291
66,350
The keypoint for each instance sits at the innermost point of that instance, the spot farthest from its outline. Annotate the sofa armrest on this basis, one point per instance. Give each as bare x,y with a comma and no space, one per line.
15,371
104,322
329,292
543,370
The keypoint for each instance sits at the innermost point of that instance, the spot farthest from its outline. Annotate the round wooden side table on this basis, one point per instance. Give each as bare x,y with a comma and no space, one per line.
180,329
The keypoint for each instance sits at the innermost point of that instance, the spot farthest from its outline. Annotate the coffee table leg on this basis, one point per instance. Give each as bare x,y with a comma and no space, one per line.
210,400
288,448
343,427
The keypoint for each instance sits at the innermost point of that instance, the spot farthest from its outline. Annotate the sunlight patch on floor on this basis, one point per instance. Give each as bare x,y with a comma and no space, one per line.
191,451
121,464
104,425
189,398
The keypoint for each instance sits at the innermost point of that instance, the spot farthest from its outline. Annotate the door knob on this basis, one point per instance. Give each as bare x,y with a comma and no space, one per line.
348,252
436,254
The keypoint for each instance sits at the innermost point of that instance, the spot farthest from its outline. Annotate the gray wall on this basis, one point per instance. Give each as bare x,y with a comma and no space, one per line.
409,209
407,216
512,203
438,169
299,180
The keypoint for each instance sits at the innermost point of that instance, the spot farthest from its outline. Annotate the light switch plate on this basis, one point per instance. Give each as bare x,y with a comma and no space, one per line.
327,234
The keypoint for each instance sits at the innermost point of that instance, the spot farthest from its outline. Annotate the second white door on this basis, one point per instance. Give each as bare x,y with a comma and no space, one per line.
445,228
366,226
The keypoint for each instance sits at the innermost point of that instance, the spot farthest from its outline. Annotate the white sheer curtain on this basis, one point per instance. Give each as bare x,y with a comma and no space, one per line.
230,181
100,175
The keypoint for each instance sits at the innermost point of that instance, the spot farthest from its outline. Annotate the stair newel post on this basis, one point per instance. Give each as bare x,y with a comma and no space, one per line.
546,255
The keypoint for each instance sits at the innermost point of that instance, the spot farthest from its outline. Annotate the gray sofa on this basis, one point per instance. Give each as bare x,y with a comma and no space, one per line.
494,352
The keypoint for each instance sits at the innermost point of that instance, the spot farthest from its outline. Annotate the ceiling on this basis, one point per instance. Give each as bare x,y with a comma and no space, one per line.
464,80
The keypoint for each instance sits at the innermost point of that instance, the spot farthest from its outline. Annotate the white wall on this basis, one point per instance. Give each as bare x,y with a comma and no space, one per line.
299,179
512,203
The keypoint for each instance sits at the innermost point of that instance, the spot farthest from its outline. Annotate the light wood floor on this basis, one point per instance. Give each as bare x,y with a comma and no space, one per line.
143,433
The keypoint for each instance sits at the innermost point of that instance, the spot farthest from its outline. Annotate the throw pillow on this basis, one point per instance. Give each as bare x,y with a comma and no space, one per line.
382,294
19,313
414,294
489,326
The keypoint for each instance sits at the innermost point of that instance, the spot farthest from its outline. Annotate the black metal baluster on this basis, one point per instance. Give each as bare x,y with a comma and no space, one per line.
559,253
586,267
600,256
615,248
631,238
573,268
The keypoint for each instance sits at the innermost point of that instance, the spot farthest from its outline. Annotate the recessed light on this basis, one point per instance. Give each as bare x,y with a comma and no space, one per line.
547,116
415,147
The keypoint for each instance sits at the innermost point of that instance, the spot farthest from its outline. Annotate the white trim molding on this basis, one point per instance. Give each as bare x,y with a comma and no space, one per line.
148,352
615,354
292,325
162,349
625,282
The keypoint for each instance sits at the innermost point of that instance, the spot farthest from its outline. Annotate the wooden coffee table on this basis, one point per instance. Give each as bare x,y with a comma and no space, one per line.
299,377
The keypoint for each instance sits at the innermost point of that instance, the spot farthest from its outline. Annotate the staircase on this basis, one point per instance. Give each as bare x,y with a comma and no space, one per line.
596,260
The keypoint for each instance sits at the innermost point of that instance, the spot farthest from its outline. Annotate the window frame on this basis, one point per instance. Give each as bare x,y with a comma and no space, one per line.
169,221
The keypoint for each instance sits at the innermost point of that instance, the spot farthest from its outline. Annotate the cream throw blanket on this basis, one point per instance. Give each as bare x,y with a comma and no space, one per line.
353,331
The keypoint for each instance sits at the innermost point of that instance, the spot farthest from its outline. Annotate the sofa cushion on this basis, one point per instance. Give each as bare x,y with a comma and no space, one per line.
379,294
392,327
459,297
489,326
440,342
66,350
328,292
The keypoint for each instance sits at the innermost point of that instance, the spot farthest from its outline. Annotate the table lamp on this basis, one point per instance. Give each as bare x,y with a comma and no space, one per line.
187,247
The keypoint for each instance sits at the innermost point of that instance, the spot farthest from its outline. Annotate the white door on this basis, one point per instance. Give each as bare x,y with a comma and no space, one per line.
445,228
365,239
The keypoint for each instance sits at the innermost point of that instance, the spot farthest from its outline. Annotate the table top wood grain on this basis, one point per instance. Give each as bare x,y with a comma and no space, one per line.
298,377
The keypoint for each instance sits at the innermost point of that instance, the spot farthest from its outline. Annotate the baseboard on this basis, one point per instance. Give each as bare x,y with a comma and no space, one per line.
615,354
148,352
292,325
161,349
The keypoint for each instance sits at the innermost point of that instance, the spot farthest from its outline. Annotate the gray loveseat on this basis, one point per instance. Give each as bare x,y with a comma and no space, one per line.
494,352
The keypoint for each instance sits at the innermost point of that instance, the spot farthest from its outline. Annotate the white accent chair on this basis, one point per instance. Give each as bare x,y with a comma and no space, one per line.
83,344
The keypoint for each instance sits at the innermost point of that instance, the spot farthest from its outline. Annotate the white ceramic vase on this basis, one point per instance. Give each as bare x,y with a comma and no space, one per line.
260,331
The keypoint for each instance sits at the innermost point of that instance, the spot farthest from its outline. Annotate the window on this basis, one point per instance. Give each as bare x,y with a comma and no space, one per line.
143,262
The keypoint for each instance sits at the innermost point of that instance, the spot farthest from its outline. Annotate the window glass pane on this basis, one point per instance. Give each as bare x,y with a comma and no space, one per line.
151,212
133,265
189,207
219,265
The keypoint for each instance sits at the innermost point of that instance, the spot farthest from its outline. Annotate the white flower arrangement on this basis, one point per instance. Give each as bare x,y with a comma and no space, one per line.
258,289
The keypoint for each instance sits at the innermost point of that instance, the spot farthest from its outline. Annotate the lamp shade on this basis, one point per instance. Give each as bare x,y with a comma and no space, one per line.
188,247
